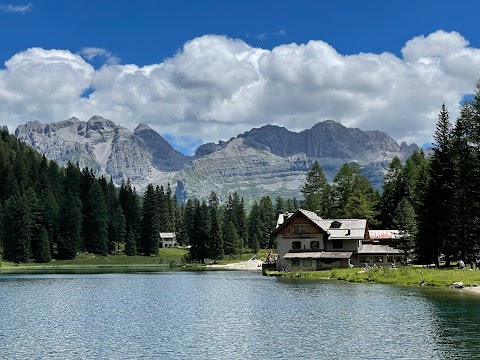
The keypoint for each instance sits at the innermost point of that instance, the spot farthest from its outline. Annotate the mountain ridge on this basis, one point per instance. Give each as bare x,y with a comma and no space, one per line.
270,160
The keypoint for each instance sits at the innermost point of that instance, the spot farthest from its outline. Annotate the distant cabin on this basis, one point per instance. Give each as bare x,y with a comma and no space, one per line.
168,240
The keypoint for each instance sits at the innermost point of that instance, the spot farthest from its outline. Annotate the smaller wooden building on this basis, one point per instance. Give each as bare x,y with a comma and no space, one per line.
168,240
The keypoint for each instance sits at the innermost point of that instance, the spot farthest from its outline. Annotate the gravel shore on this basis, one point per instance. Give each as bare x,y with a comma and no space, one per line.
475,289
255,265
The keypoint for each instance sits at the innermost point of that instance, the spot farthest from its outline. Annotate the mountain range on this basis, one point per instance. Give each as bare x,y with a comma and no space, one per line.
270,160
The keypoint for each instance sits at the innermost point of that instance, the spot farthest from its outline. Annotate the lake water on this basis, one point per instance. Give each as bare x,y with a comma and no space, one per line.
230,315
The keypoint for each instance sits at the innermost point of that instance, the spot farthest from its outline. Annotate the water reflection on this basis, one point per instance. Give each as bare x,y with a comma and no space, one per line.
226,315
457,318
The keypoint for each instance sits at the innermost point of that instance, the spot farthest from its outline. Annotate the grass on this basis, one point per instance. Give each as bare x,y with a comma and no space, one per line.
167,257
409,275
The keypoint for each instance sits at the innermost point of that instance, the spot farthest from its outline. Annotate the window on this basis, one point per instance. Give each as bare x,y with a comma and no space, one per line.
315,245
300,229
337,244
307,262
295,262
296,245
364,259
378,259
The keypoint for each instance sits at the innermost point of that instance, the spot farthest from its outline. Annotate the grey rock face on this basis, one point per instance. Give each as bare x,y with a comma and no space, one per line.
164,156
270,160
107,148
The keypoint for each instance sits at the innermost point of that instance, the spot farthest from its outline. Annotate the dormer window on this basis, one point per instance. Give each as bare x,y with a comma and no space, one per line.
335,224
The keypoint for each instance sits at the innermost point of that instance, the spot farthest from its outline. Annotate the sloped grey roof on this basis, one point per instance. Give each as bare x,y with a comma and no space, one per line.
319,255
356,227
303,255
336,255
309,214
378,249
349,228
167,235
384,234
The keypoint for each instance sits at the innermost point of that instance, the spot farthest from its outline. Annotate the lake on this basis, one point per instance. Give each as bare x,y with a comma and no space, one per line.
230,315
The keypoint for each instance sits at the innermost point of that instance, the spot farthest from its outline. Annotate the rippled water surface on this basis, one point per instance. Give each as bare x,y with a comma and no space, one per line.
230,315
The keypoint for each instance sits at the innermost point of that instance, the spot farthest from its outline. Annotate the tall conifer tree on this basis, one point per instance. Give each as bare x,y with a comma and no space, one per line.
150,222
436,230
95,221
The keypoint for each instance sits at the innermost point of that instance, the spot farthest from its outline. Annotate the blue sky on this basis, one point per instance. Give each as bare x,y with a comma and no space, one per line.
200,71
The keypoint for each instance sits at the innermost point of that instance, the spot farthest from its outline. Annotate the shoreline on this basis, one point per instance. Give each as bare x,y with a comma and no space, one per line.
250,265
473,289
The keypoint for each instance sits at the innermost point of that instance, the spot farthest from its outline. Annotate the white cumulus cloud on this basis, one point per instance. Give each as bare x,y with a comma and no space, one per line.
16,8
216,87
90,53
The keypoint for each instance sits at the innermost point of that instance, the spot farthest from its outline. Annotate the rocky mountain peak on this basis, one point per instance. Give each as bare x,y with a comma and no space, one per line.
142,127
270,160
99,123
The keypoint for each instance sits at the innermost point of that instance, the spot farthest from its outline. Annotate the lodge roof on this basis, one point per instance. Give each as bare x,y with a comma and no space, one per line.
336,229
319,255
167,235
384,234
378,249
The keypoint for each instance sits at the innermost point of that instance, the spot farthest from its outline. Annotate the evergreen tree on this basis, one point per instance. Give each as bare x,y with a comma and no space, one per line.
267,222
280,206
162,209
95,221
315,190
56,180
198,236
130,203
130,243
189,215
43,254
436,230
72,178
235,213
1,222
117,230
215,240
404,220
18,226
353,195
180,230
51,214
417,176
150,223
116,219
36,217
69,226
255,228
466,151
171,209
394,191
231,240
